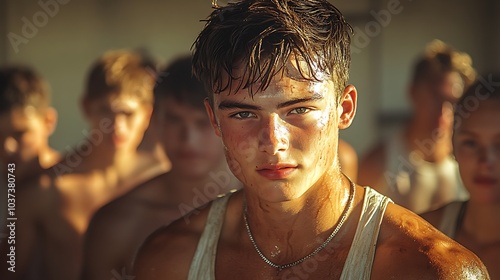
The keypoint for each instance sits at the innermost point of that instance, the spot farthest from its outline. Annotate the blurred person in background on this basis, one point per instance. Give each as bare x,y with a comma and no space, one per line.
54,210
26,122
476,141
276,73
414,166
198,175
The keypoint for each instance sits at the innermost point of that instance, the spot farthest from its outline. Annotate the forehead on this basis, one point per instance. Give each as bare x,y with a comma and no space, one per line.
19,118
251,76
116,101
450,85
484,117
281,89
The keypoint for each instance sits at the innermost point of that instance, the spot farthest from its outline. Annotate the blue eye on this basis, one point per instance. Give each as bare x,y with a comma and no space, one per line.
300,110
243,115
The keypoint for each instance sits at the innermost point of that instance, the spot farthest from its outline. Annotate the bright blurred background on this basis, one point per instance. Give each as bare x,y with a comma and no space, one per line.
61,39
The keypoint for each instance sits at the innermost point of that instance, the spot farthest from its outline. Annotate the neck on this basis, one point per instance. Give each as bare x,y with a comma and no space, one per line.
481,222
308,220
430,143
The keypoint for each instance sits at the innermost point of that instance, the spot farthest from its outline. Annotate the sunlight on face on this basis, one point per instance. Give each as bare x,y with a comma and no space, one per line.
23,135
279,142
129,118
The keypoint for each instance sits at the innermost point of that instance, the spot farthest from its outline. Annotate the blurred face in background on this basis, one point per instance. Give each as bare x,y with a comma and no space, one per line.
187,138
477,150
122,119
24,134
433,100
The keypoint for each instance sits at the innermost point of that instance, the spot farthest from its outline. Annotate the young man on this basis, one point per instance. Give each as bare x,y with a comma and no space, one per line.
414,166
53,213
199,174
476,144
26,122
277,74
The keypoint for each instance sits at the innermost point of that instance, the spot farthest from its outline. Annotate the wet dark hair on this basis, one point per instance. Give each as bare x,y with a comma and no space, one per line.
121,72
21,86
439,59
259,37
482,90
177,81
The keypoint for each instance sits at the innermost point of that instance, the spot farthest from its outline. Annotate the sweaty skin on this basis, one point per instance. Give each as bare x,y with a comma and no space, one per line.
295,194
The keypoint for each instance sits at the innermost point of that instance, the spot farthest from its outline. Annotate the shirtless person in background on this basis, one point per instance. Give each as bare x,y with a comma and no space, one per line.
54,211
199,174
276,72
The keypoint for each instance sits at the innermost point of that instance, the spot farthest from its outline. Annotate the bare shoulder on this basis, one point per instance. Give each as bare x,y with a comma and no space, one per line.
117,221
411,248
372,166
170,249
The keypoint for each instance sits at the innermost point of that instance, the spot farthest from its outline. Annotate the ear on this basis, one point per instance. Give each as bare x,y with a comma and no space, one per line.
348,104
213,119
50,119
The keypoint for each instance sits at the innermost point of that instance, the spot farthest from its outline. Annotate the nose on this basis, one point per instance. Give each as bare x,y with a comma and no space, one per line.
189,135
488,155
120,124
274,136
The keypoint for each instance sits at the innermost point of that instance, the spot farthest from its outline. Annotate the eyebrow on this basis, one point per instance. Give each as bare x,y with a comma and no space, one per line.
226,105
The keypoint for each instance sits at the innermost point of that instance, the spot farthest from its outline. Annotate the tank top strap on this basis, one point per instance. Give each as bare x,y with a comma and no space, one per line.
203,264
359,261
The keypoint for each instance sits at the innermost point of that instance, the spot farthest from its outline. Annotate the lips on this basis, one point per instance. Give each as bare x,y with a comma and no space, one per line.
188,155
485,181
277,171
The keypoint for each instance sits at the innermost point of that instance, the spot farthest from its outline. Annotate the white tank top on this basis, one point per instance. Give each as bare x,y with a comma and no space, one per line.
359,261
416,184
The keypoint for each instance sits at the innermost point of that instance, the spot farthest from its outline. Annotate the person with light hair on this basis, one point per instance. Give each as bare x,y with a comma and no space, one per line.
414,165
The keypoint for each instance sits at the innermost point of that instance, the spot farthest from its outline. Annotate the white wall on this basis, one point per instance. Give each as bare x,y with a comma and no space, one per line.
65,45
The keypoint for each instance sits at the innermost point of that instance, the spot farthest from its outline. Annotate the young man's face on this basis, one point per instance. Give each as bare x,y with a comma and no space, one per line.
284,140
187,138
122,120
477,150
24,134
433,99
